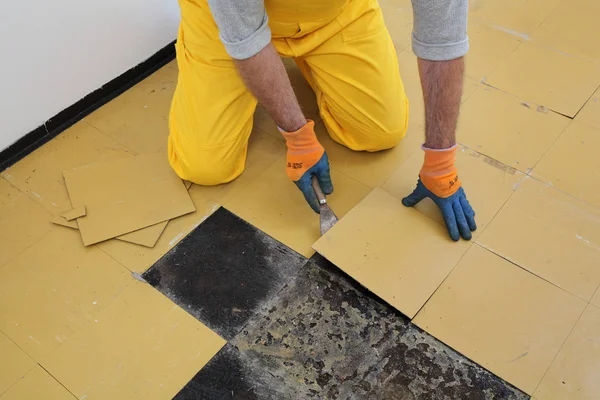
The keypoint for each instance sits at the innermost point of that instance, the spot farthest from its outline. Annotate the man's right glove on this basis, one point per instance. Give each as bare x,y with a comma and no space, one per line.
305,158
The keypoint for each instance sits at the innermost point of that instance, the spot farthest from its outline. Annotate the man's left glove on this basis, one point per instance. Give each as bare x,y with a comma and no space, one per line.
439,181
307,158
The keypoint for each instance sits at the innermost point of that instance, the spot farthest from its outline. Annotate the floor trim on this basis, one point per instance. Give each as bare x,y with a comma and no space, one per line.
70,115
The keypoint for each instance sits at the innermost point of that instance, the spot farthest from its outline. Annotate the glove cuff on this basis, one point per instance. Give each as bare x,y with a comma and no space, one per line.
439,174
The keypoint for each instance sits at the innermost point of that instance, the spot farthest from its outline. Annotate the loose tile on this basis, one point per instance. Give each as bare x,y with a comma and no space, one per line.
519,141
14,365
323,337
488,47
550,234
37,384
501,316
50,290
274,205
569,29
555,80
223,271
23,222
74,213
139,117
572,164
575,372
516,17
138,259
370,169
140,346
141,191
590,113
488,184
40,173
375,244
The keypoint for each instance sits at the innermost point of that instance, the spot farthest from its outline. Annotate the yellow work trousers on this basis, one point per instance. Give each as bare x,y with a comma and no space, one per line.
342,48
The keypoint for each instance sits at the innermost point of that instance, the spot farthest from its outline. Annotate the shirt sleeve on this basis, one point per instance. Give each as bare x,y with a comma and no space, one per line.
440,29
243,26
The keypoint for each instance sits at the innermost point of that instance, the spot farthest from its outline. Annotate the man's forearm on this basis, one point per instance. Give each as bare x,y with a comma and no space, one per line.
265,75
442,83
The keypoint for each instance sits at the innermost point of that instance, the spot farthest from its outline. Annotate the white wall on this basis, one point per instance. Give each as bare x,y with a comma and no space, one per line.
54,52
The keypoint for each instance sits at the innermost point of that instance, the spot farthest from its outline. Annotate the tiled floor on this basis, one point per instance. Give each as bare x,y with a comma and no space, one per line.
227,305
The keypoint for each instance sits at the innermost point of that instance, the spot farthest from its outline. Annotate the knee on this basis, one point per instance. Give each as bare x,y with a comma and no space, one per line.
213,174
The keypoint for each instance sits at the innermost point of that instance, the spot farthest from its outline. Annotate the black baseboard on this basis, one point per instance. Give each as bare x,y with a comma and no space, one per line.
83,107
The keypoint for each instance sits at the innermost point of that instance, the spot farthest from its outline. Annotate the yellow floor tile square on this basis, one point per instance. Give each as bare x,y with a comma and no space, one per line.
575,373
398,16
487,184
571,27
392,250
514,16
37,384
141,346
501,316
590,113
138,259
555,80
507,129
550,234
572,164
371,169
50,290
14,363
40,173
488,47
22,221
274,205
139,117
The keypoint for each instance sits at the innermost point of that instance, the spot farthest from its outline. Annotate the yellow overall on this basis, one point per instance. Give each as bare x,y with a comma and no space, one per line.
341,46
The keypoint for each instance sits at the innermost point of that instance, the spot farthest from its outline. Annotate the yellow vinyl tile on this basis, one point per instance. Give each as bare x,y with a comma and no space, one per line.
37,384
274,205
501,316
572,28
398,16
488,48
507,129
487,184
143,190
590,113
392,250
371,169
22,222
552,79
141,346
138,259
139,117
572,164
514,16
596,299
575,373
14,363
550,234
51,289
40,173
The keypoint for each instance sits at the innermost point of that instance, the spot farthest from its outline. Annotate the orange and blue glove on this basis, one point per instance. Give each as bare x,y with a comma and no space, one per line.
307,158
439,181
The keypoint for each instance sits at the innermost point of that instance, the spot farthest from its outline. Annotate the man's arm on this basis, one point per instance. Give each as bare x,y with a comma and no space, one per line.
440,41
264,74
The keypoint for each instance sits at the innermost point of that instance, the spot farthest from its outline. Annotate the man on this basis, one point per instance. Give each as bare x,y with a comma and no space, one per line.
228,53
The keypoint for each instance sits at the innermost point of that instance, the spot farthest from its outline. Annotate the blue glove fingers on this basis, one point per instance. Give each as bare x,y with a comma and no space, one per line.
324,175
416,196
305,186
461,220
468,210
450,219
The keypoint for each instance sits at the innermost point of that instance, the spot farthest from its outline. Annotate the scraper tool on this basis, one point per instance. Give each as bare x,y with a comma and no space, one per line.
327,216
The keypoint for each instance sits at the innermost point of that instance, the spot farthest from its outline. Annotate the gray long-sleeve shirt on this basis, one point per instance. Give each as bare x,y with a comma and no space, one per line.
439,27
